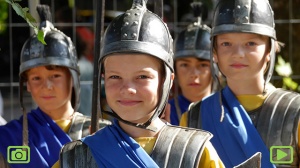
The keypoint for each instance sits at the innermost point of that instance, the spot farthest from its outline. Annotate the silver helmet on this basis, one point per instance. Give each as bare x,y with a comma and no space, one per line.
246,16
59,50
139,30
194,40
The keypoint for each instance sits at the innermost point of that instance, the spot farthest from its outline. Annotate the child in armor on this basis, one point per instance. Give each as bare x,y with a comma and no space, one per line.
137,66
249,115
193,78
52,78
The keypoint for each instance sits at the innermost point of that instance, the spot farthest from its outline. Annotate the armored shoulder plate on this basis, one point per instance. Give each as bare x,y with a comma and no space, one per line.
194,117
80,126
76,155
179,147
278,122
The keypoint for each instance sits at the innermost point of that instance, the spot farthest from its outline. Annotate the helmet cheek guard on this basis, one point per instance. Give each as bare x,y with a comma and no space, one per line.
139,30
246,16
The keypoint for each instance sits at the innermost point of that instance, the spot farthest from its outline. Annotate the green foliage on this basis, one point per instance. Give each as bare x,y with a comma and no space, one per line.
23,12
284,69
3,16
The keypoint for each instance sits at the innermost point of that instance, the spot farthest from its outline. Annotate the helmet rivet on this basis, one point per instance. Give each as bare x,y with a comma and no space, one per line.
246,6
136,14
246,18
125,35
135,23
239,7
126,24
127,14
133,35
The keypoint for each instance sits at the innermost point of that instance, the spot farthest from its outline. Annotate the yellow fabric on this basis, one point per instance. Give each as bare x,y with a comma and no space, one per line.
209,158
56,165
184,119
147,143
65,126
251,102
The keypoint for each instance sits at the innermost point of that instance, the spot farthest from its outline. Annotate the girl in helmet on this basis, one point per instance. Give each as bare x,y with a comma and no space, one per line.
137,67
52,78
194,80
249,115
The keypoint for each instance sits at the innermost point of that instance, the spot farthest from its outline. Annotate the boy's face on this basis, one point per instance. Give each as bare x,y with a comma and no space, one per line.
194,76
50,89
131,85
242,56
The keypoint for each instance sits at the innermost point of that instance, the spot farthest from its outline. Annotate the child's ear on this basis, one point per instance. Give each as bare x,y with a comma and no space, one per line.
268,57
215,58
28,87
172,79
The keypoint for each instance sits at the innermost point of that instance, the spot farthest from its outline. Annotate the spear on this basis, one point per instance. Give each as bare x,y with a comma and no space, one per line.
99,26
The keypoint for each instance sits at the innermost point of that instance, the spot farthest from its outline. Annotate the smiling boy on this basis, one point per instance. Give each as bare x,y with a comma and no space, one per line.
138,77
51,75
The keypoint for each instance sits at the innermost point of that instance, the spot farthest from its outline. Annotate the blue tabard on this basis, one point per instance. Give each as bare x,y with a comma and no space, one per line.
235,138
45,139
112,147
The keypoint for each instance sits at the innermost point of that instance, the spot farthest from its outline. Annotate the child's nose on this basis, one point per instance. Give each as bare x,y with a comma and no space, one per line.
195,72
48,84
239,51
128,87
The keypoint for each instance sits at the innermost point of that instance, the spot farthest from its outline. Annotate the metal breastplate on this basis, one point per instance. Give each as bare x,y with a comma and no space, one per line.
179,147
76,155
80,126
175,147
277,122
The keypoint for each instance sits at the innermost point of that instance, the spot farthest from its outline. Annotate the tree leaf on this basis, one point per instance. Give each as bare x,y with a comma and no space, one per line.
23,12
40,37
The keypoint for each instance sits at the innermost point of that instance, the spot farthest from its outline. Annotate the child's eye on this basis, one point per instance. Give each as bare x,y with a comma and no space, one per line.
251,43
204,65
114,77
35,78
56,76
143,77
225,44
183,65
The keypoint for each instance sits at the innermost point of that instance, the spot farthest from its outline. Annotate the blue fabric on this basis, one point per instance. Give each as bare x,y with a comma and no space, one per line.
45,139
183,104
235,138
112,147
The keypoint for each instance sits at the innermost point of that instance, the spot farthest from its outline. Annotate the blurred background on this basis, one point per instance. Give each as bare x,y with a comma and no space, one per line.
76,18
